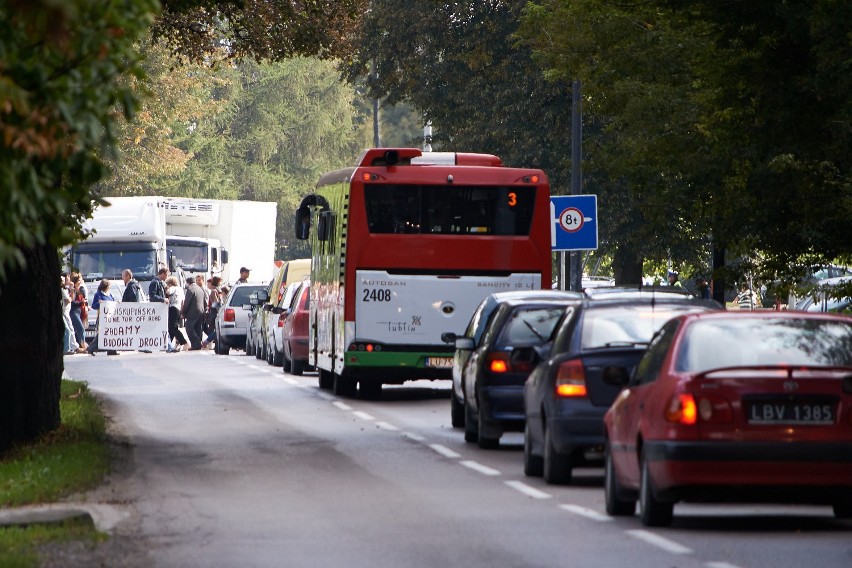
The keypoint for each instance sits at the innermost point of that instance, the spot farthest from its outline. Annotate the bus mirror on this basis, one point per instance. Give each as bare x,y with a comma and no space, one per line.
224,257
303,222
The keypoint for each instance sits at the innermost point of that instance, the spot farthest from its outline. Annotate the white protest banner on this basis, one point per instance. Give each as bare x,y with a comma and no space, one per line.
131,326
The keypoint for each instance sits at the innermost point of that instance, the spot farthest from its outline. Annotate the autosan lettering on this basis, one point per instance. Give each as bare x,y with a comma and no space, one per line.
383,283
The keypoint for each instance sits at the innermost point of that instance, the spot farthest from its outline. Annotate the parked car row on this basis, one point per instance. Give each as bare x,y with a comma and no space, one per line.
677,398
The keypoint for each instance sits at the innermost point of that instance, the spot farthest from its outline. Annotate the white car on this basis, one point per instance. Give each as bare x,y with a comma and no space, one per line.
274,325
232,318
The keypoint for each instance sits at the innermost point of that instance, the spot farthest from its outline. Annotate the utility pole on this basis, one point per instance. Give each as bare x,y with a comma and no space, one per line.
576,263
376,134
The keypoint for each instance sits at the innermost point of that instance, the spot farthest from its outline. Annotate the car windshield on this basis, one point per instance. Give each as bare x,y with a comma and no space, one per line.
528,327
745,341
626,325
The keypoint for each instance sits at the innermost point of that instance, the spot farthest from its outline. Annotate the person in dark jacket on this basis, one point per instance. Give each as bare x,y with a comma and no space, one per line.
132,292
194,307
157,287
102,295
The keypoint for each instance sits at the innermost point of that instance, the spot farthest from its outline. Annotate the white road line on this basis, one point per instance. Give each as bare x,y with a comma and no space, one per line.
342,405
386,426
588,513
415,437
528,490
483,469
444,451
720,565
660,542
363,415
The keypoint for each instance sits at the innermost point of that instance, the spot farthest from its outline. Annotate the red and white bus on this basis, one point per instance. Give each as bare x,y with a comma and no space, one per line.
404,246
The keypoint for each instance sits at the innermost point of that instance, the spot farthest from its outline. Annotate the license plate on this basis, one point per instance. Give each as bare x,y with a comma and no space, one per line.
785,412
439,362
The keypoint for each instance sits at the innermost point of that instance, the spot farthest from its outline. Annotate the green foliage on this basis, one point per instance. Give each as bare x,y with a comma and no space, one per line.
59,89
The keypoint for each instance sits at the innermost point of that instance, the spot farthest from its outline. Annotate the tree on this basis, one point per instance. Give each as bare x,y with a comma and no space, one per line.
59,89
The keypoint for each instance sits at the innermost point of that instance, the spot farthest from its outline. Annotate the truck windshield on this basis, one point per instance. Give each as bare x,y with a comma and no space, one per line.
189,256
97,264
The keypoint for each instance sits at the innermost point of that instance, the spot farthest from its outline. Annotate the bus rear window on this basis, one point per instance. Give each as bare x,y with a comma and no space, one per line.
449,209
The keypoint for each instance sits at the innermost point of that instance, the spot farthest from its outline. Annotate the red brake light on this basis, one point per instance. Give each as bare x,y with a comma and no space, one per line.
682,409
281,318
571,379
230,315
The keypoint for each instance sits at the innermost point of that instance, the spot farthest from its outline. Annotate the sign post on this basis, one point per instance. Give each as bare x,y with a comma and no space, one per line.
574,224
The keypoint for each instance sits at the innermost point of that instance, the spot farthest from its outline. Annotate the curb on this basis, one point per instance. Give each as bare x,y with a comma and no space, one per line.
102,517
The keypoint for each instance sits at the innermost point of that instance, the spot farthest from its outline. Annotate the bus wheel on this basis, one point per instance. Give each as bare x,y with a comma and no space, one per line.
344,386
326,379
371,390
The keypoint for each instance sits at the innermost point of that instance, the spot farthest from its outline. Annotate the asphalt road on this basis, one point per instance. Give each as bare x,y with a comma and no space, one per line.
234,463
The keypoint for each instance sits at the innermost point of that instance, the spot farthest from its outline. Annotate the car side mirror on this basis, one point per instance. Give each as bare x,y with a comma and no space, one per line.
448,337
616,376
277,310
464,343
262,295
254,301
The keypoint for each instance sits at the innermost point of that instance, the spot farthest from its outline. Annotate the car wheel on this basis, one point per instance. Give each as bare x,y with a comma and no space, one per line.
268,354
652,511
277,358
249,346
533,465
220,348
344,386
456,411
286,365
557,467
258,350
843,509
326,379
485,443
297,367
615,505
471,425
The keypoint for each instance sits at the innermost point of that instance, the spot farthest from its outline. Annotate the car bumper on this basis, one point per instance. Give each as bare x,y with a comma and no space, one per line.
690,467
503,405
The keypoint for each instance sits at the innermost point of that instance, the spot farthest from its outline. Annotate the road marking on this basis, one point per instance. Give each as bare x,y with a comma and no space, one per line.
415,437
483,469
588,513
386,426
363,415
444,451
342,405
660,542
720,565
290,381
528,490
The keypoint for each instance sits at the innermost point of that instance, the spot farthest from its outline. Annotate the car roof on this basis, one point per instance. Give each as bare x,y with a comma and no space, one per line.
770,314
535,294
637,291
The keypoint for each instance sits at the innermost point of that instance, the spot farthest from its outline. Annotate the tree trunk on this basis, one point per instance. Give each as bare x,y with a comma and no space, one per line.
718,282
627,266
31,350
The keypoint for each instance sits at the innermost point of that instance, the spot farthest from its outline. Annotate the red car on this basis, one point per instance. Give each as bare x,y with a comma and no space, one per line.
727,406
294,333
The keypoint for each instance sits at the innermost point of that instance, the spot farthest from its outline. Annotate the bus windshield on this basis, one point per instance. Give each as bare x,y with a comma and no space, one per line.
449,209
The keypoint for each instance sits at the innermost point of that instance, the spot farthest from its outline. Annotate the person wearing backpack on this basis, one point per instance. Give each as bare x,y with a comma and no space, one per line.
132,292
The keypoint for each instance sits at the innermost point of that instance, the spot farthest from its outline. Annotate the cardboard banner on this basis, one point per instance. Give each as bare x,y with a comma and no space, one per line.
132,326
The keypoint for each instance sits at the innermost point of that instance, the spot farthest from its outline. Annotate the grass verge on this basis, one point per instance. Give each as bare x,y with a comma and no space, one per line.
73,458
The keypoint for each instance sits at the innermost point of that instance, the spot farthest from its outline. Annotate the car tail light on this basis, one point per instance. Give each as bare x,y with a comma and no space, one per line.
571,379
230,315
682,409
714,409
498,362
281,319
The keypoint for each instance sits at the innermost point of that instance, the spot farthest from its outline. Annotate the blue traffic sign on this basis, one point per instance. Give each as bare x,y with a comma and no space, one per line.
574,222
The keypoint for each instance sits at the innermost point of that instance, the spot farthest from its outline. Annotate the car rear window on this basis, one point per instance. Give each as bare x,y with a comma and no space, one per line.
528,327
626,325
240,295
745,341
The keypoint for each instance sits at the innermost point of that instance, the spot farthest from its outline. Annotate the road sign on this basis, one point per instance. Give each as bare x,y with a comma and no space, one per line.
574,223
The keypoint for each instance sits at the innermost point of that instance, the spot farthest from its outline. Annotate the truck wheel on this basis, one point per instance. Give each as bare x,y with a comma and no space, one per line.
297,367
326,380
344,386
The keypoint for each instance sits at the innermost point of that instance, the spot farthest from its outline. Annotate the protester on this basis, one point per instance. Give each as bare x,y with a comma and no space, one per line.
174,293
193,311
702,288
244,275
673,280
101,295
746,299
156,289
79,311
214,300
69,344
132,292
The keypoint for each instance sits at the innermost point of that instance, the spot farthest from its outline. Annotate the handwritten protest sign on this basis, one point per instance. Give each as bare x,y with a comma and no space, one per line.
131,326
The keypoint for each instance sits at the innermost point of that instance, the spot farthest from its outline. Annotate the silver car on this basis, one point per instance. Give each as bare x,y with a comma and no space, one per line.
232,318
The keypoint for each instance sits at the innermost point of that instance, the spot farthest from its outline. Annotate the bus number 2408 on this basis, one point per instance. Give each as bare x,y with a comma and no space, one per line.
376,295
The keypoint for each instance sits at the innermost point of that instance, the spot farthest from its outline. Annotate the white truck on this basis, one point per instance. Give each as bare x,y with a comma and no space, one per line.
189,236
